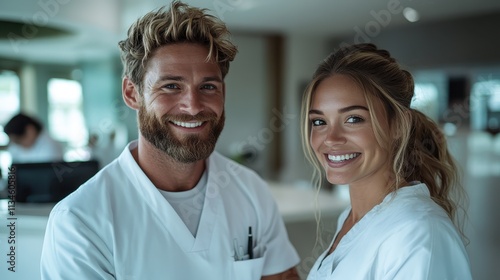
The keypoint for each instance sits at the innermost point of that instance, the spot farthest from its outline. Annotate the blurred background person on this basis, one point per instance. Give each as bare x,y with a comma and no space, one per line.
29,142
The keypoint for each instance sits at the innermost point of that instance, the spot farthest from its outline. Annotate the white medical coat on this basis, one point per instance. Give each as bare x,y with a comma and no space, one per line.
118,226
407,236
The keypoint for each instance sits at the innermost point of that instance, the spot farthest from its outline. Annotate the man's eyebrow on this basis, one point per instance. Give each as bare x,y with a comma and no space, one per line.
180,78
212,79
171,78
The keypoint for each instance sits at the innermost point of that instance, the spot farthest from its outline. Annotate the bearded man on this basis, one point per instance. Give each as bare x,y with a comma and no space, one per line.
170,207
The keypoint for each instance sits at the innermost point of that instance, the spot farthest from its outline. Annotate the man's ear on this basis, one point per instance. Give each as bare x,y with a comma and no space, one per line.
130,94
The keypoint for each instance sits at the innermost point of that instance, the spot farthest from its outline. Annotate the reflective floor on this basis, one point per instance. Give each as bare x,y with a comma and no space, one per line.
479,155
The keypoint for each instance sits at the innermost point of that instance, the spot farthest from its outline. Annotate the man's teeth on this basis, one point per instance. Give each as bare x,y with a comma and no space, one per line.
188,124
342,157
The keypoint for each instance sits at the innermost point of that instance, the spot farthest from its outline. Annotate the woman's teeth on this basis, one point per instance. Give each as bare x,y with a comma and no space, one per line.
341,158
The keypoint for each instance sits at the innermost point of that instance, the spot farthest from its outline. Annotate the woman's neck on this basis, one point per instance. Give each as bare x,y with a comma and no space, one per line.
365,196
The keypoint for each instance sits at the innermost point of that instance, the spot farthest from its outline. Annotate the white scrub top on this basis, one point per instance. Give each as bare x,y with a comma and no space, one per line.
407,236
118,226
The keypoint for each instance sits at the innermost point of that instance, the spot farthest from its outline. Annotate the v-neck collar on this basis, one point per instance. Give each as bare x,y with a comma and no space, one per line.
166,214
346,242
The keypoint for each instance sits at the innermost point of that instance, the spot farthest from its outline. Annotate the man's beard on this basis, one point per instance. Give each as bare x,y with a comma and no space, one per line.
192,147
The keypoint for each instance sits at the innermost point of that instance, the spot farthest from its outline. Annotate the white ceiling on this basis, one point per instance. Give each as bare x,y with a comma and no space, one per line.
98,25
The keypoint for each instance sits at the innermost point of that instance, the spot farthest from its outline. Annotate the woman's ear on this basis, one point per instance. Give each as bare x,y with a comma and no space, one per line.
130,94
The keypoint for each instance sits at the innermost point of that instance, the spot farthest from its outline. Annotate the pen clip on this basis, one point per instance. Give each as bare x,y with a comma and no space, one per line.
250,243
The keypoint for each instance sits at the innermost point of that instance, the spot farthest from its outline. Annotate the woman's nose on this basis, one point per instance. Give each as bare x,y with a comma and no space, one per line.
335,136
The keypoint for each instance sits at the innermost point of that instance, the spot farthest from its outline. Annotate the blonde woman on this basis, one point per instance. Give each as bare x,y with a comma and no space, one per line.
358,129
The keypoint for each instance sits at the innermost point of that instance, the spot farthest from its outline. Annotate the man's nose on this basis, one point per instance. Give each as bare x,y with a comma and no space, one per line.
190,102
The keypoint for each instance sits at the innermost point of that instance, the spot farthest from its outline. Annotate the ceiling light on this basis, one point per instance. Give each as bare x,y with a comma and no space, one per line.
411,14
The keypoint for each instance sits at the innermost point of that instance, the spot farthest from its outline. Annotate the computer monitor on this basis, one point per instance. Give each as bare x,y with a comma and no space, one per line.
47,182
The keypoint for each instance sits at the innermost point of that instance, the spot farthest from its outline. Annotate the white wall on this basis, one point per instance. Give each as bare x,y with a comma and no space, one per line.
247,102
303,54
249,116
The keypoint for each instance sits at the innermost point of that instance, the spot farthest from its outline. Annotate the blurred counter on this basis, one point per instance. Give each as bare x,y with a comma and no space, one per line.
298,204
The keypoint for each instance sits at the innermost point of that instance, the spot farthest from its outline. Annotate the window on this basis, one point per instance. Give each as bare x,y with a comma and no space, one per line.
9,100
66,120
9,106
426,99
485,106
492,90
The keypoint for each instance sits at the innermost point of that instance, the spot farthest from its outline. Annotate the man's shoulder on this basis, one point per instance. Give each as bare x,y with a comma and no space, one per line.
96,191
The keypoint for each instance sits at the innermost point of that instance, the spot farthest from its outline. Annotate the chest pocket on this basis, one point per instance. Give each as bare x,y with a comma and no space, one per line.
250,269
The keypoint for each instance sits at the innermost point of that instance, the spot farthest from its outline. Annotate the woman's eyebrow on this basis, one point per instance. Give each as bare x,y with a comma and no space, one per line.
314,111
341,110
351,108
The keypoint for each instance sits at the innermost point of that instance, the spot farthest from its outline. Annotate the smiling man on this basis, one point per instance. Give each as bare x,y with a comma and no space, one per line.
170,207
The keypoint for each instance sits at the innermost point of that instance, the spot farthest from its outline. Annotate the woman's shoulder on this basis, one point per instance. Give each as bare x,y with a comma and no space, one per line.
412,210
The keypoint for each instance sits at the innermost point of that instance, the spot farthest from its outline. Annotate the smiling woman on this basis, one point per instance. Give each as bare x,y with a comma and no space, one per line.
358,129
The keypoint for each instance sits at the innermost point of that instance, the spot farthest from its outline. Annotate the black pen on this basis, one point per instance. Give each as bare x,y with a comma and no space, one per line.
250,243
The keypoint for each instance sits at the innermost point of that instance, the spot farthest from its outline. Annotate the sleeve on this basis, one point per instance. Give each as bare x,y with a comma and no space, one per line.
280,253
431,250
72,249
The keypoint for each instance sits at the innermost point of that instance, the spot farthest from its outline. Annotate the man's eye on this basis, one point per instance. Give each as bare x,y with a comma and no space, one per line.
171,86
209,87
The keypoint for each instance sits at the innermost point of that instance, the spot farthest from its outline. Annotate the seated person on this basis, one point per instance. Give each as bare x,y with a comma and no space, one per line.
29,142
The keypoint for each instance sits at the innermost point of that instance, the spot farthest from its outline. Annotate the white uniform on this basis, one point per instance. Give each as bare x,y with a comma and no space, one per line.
119,226
45,149
407,236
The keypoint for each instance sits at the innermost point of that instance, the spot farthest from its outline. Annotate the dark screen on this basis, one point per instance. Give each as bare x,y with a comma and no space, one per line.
458,90
51,181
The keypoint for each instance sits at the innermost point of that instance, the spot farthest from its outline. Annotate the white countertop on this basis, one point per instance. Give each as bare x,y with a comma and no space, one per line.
300,203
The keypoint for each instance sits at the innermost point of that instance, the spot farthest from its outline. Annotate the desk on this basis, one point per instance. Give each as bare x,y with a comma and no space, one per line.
298,204
28,232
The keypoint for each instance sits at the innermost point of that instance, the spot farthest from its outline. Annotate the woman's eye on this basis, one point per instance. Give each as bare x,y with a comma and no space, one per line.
317,122
354,119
